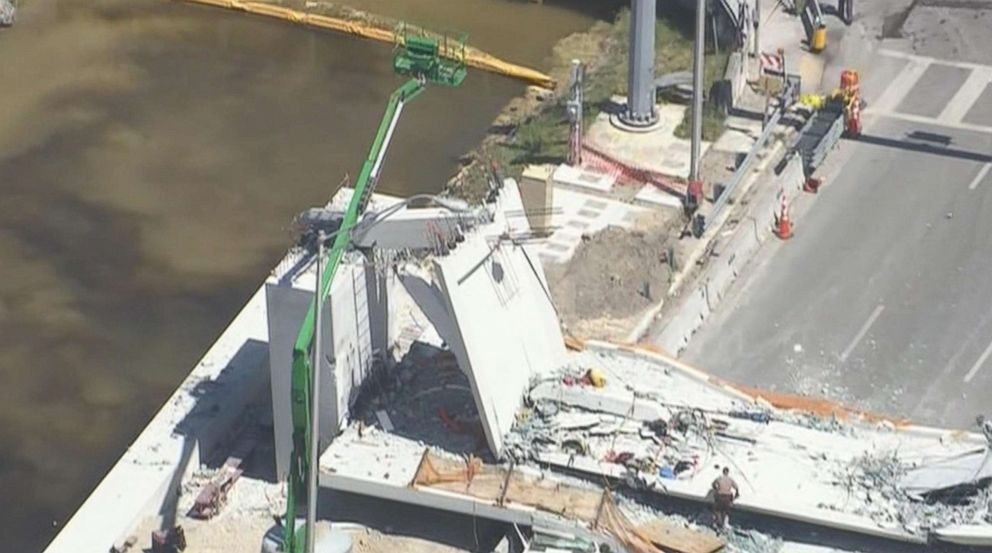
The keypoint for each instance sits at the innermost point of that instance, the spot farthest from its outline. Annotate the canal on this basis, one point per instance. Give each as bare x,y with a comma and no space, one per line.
152,156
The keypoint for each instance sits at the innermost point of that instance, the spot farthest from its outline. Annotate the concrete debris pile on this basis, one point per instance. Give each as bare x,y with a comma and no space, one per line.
426,398
878,481
659,427
250,496
8,12
651,445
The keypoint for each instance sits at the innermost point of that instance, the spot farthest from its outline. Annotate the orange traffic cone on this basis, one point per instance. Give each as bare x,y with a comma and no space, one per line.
784,230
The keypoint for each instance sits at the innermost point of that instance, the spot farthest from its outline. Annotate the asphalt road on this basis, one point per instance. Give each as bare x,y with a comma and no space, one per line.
883,299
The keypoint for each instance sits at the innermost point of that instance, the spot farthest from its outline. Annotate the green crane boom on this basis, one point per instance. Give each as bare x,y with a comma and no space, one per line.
420,58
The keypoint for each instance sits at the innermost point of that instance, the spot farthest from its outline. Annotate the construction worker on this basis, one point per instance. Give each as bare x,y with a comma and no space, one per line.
725,492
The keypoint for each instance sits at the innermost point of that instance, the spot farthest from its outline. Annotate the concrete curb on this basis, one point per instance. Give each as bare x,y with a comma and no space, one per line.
642,326
732,258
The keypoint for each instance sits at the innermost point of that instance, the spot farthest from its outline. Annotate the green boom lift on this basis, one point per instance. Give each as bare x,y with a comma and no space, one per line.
427,60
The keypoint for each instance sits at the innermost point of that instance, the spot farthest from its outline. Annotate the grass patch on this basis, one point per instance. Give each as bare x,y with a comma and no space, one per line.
543,137
712,123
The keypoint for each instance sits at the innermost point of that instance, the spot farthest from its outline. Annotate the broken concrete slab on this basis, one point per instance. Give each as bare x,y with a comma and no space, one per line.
489,301
782,460
948,472
503,339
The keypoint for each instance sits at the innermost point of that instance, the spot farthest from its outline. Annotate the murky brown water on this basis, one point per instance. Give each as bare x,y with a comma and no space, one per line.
151,156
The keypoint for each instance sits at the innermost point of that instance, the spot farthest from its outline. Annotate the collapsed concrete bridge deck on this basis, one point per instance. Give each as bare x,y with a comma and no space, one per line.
515,398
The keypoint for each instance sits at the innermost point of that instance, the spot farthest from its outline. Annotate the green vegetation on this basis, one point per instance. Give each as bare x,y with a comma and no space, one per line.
543,138
712,123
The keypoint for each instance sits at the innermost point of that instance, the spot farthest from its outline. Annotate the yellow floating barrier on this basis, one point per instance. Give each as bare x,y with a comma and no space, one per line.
472,57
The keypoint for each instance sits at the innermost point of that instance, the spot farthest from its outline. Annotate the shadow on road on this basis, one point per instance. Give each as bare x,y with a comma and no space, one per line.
910,145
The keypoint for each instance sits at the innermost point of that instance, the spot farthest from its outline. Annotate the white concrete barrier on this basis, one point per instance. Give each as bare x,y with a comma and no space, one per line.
731,257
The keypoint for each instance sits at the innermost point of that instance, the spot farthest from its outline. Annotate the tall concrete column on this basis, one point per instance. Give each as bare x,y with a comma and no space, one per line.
640,110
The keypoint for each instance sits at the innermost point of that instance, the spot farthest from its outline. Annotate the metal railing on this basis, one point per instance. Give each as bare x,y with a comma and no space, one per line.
785,102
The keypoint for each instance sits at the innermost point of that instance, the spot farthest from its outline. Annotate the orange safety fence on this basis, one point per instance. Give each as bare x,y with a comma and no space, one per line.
595,509
472,56
817,406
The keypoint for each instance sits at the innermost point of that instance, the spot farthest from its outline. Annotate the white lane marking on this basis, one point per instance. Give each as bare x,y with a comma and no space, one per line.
922,119
978,364
900,86
928,59
967,95
981,175
861,333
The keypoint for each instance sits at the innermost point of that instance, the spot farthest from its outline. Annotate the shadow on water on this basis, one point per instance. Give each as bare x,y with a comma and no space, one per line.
152,155
209,428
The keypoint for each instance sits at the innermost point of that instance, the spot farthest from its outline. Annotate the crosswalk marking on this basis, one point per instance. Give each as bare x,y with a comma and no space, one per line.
928,60
901,85
953,114
980,176
967,95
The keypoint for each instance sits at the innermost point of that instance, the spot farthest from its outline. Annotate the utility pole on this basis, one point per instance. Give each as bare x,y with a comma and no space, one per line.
757,28
574,109
314,471
697,89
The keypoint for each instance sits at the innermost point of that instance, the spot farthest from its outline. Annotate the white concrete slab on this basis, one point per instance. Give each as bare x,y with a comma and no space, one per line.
356,315
506,324
786,467
583,180
488,300
651,195
947,472
657,150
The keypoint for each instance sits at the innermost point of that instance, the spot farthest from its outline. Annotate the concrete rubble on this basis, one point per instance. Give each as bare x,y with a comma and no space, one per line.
653,428
8,13
661,430
594,442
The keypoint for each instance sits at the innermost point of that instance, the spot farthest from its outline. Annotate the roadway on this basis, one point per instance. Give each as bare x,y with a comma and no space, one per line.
883,298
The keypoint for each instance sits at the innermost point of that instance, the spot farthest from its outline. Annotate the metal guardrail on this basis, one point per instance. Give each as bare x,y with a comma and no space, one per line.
785,102
819,135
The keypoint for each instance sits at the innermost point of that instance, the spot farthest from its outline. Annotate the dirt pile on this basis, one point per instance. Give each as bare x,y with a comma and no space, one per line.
614,277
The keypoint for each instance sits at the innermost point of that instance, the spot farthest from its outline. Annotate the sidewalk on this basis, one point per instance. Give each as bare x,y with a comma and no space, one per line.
755,202
701,283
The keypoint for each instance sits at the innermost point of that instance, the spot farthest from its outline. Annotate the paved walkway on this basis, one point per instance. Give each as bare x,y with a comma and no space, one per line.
579,213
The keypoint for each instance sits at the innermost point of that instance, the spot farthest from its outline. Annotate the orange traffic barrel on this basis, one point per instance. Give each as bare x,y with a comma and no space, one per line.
849,79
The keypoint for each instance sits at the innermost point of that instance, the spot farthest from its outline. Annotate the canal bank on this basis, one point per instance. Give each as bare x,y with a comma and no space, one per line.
152,156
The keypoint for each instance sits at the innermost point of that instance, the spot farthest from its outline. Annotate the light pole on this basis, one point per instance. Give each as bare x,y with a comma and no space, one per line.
640,110
697,89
